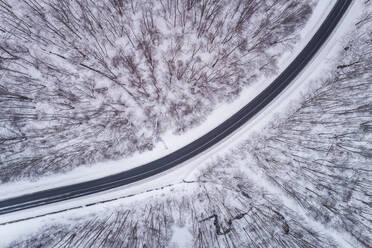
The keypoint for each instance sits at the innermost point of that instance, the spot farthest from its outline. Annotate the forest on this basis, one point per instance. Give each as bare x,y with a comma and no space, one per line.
85,81
304,181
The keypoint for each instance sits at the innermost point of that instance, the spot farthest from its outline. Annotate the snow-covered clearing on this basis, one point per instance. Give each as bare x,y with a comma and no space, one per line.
182,237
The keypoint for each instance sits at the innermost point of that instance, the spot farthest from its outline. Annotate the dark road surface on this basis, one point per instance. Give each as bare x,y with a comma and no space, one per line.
197,146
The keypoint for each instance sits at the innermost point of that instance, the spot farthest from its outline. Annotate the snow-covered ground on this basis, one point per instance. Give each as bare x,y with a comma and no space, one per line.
181,237
185,170
171,142
113,89
319,68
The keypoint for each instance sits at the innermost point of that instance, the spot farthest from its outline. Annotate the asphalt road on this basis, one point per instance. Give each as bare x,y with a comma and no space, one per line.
197,146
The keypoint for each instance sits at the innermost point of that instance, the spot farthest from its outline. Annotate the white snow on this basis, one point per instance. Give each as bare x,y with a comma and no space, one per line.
317,68
343,239
182,237
170,142
174,142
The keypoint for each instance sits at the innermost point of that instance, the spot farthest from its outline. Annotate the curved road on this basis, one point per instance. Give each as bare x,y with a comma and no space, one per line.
197,146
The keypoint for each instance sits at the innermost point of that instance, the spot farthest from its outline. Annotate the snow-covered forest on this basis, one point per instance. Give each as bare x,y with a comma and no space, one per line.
84,81
304,181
